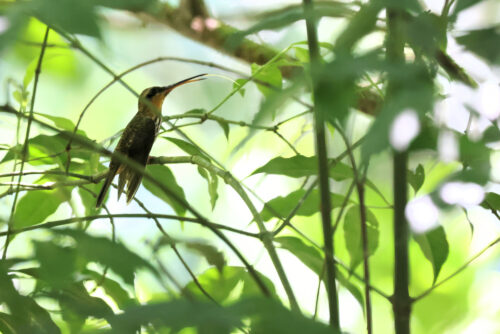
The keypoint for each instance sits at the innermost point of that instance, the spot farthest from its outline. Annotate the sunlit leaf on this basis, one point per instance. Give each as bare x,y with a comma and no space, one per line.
113,289
220,285
352,234
35,206
239,83
164,175
186,147
435,248
281,207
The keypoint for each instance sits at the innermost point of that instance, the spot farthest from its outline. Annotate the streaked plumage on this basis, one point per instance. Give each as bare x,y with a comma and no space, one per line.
137,140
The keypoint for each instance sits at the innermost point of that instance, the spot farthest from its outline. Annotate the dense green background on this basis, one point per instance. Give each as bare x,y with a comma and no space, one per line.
54,278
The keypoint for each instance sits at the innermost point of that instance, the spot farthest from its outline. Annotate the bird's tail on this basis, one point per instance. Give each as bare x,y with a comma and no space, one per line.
105,187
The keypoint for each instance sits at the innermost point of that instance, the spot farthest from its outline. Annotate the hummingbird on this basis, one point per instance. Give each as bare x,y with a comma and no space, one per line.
138,138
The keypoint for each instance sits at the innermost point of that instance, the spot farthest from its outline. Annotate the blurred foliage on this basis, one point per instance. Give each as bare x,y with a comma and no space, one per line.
73,280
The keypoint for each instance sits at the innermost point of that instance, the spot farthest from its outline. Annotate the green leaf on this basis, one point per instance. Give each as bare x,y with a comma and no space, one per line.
239,83
29,316
475,157
43,150
113,289
35,206
352,234
435,248
281,207
491,201
313,259
416,178
212,188
178,314
209,252
132,5
269,316
107,253
212,183
77,305
296,166
220,284
302,54
30,73
60,122
77,17
164,175
56,273
463,4
269,74
187,147
225,128
491,134
484,43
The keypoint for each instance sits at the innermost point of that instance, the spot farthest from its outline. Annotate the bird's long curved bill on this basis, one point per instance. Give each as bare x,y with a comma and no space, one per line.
185,81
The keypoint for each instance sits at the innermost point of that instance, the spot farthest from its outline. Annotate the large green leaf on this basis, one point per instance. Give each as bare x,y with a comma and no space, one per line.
352,234
77,17
313,259
281,207
26,315
35,206
299,166
178,314
164,175
107,253
435,248
60,273
269,316
484,43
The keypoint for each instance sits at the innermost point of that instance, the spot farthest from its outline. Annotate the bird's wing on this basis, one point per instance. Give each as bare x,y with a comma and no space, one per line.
136,143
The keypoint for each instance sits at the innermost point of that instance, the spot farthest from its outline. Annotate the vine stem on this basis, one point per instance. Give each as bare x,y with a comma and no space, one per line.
26,141
323,175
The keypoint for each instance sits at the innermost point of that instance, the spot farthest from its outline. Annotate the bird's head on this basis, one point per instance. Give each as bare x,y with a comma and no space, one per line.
151,99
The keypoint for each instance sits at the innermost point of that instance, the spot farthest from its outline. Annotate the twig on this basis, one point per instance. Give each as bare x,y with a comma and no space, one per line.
323,170
26,141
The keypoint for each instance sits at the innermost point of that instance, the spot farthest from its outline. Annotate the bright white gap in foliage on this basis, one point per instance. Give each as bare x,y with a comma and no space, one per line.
404,129
422,214
462,193
4,24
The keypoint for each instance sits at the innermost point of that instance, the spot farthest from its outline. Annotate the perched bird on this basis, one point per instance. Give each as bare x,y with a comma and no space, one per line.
138,138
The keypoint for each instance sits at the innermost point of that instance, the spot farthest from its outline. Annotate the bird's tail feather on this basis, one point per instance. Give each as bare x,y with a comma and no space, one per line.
133,184
105,187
